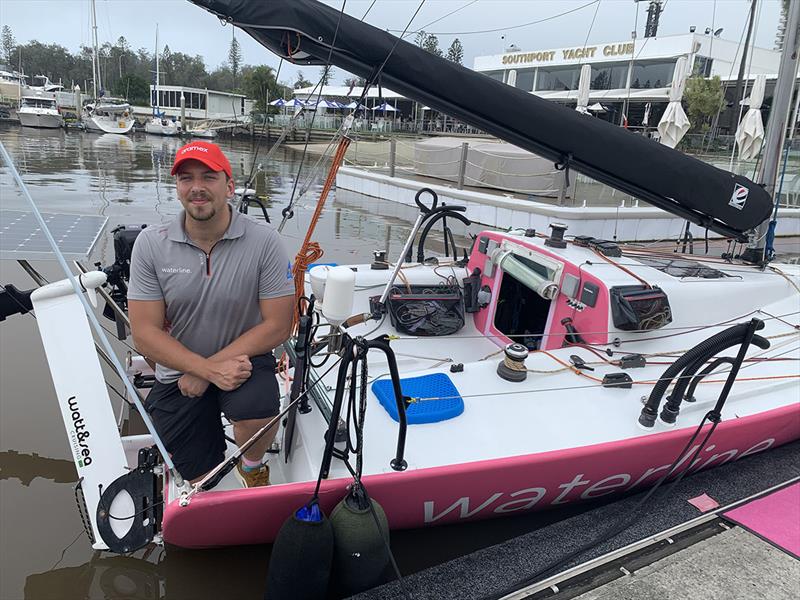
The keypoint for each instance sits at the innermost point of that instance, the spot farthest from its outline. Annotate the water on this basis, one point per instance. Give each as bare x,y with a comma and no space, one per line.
43,551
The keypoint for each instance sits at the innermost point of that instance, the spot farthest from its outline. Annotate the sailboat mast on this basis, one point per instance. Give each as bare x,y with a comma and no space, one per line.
155,104
776,126
95,66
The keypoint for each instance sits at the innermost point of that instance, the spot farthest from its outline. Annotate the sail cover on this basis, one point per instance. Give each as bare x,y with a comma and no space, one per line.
303,32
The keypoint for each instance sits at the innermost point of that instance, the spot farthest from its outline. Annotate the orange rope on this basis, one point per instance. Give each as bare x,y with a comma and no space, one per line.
311,251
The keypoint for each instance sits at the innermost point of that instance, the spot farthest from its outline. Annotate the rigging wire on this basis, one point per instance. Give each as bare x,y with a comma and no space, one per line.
498,29
250,177
321,86
452,12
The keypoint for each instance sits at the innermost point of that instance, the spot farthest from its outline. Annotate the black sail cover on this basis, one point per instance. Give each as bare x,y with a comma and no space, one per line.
303,32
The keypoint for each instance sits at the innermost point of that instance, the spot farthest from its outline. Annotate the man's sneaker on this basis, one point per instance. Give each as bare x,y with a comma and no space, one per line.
254,478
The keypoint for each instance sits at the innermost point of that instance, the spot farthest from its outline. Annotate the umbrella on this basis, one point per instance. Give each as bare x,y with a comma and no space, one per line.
323,104
279,102
674,123
751,130
596,107
385,108
294,102
583,89
646,118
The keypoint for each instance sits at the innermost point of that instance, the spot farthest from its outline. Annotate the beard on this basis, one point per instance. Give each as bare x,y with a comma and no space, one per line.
204,212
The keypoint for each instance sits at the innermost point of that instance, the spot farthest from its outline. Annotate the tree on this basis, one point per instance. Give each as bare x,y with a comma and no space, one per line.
455,52
325,74
301,81
235,59
259,83
134,89
8,42
703,100
429,42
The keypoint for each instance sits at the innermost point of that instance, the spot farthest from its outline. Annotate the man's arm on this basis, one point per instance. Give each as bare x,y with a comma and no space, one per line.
147,322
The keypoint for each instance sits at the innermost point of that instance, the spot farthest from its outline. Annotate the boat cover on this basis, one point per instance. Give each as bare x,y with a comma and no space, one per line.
307,32
490,164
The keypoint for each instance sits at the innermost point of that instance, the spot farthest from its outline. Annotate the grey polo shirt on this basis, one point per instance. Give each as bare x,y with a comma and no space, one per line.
211,299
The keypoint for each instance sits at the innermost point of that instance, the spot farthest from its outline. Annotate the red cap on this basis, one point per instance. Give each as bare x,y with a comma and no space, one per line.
207,153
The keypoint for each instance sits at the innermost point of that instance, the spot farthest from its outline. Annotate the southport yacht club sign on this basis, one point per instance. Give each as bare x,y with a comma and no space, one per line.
543,56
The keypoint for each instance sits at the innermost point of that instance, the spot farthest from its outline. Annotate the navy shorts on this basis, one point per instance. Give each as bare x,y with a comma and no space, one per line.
191,428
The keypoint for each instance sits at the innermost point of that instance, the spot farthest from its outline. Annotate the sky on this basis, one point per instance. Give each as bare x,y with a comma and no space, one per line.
189,29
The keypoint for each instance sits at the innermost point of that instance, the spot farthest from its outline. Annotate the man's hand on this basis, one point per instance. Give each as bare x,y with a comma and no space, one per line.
229,374
192,385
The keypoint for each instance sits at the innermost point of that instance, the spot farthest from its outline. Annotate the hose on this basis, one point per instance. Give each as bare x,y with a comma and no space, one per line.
437,215
702,351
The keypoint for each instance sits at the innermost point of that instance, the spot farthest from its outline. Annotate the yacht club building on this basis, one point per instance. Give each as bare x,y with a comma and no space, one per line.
626,75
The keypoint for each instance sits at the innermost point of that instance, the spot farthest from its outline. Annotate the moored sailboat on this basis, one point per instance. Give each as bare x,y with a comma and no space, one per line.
158,124
104,114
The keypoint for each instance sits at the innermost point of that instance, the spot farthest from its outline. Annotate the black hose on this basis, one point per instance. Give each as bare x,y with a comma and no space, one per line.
449,211
704,350
689,396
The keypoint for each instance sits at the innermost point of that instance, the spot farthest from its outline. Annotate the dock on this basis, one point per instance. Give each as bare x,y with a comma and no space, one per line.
673,551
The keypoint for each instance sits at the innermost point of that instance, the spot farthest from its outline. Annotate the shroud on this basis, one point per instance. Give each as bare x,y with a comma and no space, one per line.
303,32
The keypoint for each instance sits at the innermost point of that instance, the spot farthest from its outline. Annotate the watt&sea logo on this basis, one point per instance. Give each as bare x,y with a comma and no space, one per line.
288,270
83,455
739,196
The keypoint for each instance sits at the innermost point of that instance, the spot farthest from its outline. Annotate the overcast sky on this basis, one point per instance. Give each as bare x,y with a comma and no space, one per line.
187,28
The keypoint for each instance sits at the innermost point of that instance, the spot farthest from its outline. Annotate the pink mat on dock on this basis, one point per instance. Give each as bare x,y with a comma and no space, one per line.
774,518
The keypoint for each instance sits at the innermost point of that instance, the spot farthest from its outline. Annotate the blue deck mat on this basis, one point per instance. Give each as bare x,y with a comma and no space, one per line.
437,385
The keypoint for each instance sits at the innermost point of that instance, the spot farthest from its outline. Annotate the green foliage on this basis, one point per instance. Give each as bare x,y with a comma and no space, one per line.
703,99
455,52
7,42
429,42
259,83
326,74
235,59
135,89
301,81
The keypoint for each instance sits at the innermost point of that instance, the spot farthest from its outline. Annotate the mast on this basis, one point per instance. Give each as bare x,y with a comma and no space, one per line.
155,104
776,126
96,83
737,94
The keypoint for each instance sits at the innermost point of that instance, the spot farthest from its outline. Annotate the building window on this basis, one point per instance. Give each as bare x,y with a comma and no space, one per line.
655,74
609,76
496,75
525,79
558,78
153,99
202,101
702,66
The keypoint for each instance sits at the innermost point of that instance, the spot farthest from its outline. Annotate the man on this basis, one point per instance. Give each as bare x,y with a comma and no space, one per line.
210,296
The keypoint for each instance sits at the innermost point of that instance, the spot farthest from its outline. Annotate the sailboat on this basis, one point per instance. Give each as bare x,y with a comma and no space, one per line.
537,370
104,114
158,124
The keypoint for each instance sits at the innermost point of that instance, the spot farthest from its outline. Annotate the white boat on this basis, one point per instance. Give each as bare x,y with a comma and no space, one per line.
39,111
11,84
538,370
158,124
162,126
107,116
104,114
42,84
202,129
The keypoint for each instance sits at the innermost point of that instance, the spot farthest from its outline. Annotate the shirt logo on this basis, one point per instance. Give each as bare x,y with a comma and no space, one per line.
175,270
739,196
288,270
